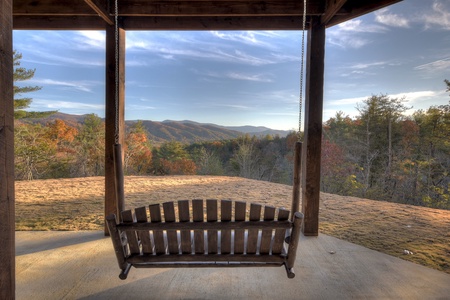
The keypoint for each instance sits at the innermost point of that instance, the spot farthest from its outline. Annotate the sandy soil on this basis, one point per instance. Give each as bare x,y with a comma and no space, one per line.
77,204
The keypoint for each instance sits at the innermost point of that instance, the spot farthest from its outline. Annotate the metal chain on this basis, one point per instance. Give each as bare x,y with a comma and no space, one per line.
301,72
116,75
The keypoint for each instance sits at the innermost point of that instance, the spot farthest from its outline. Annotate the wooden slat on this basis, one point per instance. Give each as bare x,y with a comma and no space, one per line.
169,217
239,234
255,258
225,217
332,8
252,241
144,236
211,216
266,237
207,226
198,216
158,235
7,194
127,217
280,234
185,235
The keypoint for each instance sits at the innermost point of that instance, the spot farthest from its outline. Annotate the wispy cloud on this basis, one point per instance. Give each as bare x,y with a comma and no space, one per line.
248,77
90,39
384,17
247,37
434,66
350,34
438,17
61,105
84,86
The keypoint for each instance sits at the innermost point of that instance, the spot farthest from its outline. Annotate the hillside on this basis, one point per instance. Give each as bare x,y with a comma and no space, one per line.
77,204
183,131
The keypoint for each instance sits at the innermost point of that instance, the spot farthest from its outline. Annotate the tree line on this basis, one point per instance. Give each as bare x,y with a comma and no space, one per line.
380,154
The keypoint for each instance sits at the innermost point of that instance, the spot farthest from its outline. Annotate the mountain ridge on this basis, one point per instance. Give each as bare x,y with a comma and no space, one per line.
183,131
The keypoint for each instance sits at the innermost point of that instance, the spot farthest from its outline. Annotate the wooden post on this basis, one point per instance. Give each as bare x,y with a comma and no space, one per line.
111,205
7,213
313,127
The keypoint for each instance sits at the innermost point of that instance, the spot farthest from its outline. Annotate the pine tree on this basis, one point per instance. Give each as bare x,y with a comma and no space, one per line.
21,103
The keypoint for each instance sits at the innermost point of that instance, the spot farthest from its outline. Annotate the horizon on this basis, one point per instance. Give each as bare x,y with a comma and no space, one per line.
246,78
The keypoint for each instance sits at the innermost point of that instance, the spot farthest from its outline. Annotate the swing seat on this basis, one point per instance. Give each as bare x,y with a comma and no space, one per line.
228,237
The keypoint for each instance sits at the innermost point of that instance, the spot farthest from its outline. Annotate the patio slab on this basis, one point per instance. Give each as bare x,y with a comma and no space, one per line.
82,265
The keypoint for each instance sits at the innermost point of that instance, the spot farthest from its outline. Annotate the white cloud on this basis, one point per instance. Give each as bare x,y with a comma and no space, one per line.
246,37
384,17
348,34
256,77
438,17
60,105
90,39
84,86
438,65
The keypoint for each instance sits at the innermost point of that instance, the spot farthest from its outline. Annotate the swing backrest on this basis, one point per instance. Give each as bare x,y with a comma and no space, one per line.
217,234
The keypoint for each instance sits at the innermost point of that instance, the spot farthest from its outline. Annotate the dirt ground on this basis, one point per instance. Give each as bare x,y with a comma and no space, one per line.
77,204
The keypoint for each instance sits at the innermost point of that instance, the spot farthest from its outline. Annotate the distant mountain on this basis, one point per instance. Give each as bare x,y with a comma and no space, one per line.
183,131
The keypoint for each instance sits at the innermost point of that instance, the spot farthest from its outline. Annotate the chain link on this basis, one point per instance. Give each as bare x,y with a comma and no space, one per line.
301,72
116,74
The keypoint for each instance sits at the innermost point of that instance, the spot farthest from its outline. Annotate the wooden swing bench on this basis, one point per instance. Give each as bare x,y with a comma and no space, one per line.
231,239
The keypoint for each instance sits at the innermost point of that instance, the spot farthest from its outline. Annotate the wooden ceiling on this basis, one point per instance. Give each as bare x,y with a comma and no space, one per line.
186,14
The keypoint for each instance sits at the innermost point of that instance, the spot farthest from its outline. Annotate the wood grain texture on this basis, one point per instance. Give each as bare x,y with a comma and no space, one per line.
7,195
111,205
198,216
185,235
158,235
239,234
225,217
169,217
144,236
313,127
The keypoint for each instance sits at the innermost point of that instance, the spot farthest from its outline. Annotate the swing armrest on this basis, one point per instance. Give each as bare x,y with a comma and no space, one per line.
293,244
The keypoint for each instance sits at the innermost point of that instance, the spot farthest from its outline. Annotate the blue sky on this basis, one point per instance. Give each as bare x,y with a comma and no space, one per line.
247,78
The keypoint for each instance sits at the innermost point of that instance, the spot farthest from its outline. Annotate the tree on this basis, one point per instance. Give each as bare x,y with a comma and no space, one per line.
137,150
23,74
90,147
379,134
447,82
34,152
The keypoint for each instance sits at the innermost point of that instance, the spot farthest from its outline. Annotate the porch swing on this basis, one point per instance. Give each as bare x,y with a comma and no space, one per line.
176,234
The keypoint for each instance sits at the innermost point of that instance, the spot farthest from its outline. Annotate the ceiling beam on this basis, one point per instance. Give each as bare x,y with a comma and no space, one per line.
217,8
357,8
331,9
51,8
213,23
101,8
58,23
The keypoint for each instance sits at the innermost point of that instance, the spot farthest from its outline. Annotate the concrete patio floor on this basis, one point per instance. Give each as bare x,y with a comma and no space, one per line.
82,265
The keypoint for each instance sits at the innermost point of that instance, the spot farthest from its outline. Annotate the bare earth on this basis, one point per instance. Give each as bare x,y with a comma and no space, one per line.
77,204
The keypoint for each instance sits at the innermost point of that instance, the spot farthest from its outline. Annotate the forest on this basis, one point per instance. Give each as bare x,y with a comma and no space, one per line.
381,154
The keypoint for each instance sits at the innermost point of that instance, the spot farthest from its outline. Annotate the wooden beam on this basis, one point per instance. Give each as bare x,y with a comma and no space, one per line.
101,8
212,23
331,9
111,206
52,8
7,212
218,8
356,8
315,65
58,23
